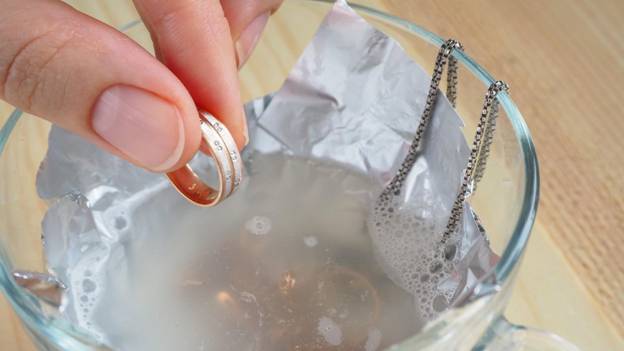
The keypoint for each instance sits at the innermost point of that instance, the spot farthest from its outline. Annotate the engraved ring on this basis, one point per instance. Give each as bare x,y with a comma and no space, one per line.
218,142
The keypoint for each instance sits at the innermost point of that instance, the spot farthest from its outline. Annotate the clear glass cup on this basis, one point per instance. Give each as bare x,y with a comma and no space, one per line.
506,201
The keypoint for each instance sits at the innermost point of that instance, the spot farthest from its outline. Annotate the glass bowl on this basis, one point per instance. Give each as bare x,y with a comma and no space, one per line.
506,202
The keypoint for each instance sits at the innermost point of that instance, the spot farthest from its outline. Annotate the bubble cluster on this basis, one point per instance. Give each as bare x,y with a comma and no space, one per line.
258,225
86,289
407,245
310,241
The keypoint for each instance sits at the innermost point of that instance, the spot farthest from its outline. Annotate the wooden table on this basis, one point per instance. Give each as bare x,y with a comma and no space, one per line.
565,62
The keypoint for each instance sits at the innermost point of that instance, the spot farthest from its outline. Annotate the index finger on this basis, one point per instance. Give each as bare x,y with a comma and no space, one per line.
192,38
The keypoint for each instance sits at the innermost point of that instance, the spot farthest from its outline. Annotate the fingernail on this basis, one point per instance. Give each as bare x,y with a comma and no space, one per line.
249,38
141,125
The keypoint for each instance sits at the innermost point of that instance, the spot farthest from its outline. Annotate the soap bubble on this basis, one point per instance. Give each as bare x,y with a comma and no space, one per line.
310,241
258,225
120,223
88,286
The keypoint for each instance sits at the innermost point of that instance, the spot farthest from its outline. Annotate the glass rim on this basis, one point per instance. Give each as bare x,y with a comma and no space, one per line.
57,331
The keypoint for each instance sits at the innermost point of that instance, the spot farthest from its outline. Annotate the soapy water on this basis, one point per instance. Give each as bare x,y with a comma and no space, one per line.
407,241
297,259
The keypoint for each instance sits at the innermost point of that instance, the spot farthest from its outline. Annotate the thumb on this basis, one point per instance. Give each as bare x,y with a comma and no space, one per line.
92,80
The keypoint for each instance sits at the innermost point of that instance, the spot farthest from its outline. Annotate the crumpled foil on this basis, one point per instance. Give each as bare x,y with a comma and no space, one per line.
354,98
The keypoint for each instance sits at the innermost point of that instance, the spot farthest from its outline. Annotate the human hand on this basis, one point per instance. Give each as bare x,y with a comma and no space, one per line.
88,78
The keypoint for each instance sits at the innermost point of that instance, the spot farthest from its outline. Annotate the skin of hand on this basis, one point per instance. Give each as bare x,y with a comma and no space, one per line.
92,80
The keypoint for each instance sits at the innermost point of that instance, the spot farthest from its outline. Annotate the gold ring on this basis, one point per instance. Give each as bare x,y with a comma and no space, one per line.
218,141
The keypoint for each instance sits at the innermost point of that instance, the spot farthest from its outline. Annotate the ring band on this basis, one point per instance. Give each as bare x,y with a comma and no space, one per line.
218,141
232,149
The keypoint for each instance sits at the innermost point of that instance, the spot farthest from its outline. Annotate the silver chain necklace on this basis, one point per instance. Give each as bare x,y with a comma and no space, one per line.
480,150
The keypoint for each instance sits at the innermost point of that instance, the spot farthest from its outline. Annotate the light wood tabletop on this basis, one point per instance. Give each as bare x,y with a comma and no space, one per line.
565,62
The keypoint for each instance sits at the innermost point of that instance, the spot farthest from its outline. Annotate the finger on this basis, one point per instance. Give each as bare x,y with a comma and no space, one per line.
92,80
193,39
247,19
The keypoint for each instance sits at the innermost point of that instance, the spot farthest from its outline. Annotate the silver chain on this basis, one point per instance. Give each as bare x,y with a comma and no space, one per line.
451,78
488,138
480,146
444,56
478,155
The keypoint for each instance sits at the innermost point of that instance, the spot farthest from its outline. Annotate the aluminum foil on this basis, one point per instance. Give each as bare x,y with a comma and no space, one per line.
354,98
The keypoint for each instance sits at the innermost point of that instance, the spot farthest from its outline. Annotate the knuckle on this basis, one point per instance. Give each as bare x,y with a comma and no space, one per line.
31,78
177,18
171,15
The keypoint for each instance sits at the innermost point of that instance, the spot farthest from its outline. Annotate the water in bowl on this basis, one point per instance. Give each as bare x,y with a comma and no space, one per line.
287,263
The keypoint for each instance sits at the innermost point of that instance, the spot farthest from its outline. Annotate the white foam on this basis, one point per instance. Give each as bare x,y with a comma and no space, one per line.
86,291
407,242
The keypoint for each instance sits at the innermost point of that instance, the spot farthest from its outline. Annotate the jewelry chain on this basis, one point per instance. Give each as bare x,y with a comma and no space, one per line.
444,56
478,155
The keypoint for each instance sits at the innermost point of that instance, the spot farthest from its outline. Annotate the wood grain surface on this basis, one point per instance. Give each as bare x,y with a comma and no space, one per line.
564,62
